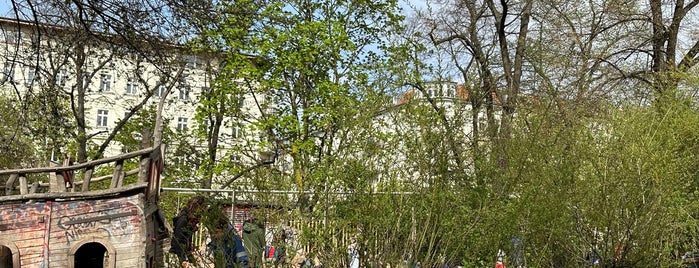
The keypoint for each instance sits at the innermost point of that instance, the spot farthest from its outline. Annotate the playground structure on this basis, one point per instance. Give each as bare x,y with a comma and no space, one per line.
66,222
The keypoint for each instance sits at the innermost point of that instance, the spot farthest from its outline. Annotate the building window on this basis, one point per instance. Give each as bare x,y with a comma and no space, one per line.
236,132
184,93
102,118
131,86
31,75
105,82
35,40
159,90
10,37
8,73
181,124
191,62
61,77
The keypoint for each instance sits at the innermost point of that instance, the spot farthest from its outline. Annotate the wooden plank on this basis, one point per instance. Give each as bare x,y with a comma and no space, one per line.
87,178
93,163
22,184
10,183
31,260
16,226
117,220
27,244
106,177
99,218
61,183
98,179
130,255
34,187
68,177
89,194
143,169
55,181
33,250
116,178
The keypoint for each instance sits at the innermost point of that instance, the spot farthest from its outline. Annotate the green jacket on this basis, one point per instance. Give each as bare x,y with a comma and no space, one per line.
254,242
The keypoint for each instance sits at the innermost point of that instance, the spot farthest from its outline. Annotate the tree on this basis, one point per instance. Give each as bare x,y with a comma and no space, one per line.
668,63
311,58
76,52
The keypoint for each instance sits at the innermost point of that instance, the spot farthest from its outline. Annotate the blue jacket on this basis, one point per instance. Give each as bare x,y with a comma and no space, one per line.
229,253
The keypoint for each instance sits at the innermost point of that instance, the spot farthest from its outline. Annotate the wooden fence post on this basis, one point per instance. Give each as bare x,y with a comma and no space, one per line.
22,184
118,174
88,177
10,184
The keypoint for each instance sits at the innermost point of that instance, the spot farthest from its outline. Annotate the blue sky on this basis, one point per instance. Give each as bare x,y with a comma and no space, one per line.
5,8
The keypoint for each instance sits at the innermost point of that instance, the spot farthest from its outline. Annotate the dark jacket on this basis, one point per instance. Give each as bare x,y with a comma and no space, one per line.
229,251
181,243
254,241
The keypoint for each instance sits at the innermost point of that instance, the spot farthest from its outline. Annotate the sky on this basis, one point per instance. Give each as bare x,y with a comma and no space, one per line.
5,8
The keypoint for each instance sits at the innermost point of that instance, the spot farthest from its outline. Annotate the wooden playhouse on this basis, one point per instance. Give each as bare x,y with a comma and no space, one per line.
62,222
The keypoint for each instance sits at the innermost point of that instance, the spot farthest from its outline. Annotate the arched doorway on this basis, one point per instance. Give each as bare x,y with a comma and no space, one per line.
92,252
9,254
91,255
5,257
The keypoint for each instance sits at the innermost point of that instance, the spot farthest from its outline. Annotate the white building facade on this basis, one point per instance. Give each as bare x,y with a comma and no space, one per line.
99,82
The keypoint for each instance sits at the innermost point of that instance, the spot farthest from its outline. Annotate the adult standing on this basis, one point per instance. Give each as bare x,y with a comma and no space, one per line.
254,241
185,224
226,247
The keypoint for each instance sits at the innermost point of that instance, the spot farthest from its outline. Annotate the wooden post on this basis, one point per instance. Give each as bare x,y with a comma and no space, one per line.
145,159
88,177
61,183
22,184
9,186
143,169
118,174
54,183
35,186
69,174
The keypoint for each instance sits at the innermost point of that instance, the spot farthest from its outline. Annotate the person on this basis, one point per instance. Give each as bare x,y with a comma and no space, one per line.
353,255
185,224
500,262
254,242
280,249
226,247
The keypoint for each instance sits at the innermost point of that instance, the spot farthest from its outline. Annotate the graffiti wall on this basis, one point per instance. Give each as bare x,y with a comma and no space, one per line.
46,232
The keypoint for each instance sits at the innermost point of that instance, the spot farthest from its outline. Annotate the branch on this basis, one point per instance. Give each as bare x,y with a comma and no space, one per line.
445,121
95,134
689,59
245,171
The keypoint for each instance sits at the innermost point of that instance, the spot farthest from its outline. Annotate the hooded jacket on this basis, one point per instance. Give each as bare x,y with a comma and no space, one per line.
229,251
254,242
181,243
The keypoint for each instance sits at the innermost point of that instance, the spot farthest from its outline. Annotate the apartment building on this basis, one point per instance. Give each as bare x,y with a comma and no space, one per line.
99,82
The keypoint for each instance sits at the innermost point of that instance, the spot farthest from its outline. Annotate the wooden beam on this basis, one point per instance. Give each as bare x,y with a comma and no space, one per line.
75,195
93,163
98,179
